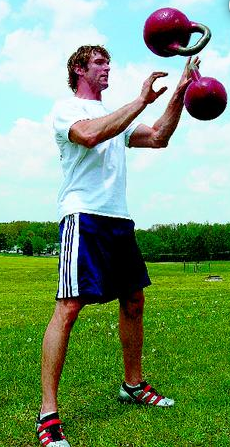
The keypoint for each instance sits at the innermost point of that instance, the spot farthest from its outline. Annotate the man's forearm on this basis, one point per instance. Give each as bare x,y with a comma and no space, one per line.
92,132
167,123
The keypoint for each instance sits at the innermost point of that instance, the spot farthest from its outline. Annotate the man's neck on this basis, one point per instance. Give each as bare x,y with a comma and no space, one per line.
85,92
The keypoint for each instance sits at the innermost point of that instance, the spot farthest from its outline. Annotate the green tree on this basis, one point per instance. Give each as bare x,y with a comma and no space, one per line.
3,241
27,247
150,245
51,232
38,244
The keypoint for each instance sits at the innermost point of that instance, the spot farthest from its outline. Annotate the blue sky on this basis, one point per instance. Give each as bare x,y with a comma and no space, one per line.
188,181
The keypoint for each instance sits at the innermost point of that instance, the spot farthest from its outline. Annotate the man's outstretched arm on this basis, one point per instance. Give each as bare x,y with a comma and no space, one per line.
159,134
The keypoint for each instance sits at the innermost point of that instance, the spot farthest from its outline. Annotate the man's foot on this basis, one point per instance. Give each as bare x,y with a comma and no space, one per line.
143,394
50,432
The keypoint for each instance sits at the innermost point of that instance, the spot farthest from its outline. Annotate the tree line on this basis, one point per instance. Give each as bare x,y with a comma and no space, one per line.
29,237
174,242
185,242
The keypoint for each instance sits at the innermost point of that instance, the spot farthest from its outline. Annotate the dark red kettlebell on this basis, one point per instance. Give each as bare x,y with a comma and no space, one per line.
167,32
205,98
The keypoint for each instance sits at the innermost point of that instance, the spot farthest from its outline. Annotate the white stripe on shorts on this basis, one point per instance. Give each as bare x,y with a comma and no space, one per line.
68,275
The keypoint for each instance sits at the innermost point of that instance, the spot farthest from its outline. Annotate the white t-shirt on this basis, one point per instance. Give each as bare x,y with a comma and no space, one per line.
94,179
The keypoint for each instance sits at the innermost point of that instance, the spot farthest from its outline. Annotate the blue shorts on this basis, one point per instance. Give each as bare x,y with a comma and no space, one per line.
99,259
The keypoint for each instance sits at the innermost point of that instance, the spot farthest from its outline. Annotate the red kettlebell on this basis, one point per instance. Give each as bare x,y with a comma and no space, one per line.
167,32
205,98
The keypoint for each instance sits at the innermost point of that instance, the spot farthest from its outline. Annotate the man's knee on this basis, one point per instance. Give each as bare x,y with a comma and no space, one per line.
67,311
133,305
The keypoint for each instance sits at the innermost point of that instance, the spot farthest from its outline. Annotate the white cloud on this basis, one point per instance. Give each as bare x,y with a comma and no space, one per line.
215,65
209,180
181,4
36,58
144,159
29,152
4,9
140,4
159,201
178,4
65,13
210,138
29,171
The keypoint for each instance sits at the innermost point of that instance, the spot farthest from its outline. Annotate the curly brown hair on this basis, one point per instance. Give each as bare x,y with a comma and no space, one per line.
81,57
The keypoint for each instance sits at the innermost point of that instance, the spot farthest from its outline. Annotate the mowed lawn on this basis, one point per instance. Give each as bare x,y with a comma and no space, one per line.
186,356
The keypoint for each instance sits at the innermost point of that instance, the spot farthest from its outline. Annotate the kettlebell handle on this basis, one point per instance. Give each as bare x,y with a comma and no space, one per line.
201,43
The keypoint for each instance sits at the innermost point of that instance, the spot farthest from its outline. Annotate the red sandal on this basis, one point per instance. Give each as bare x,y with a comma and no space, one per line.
143,394
50,432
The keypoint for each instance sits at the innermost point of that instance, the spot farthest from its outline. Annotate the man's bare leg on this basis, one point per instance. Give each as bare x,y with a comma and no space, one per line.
131,336
55,345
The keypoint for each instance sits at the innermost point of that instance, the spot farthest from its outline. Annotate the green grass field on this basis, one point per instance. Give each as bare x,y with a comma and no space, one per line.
186,356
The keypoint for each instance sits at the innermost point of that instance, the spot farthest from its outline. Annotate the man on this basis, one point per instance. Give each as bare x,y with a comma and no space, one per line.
99,259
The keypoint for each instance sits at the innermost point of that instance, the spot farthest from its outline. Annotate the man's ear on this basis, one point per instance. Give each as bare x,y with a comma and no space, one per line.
79,70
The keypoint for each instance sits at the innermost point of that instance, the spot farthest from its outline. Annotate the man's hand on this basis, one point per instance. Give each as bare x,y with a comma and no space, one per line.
186,78
147,93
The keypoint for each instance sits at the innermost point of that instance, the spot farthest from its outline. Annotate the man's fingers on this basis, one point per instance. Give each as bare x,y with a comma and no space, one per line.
157,74
196,59
197,62
188,61
161,91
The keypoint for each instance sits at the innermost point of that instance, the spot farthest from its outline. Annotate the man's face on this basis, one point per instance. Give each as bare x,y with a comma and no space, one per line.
97,71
